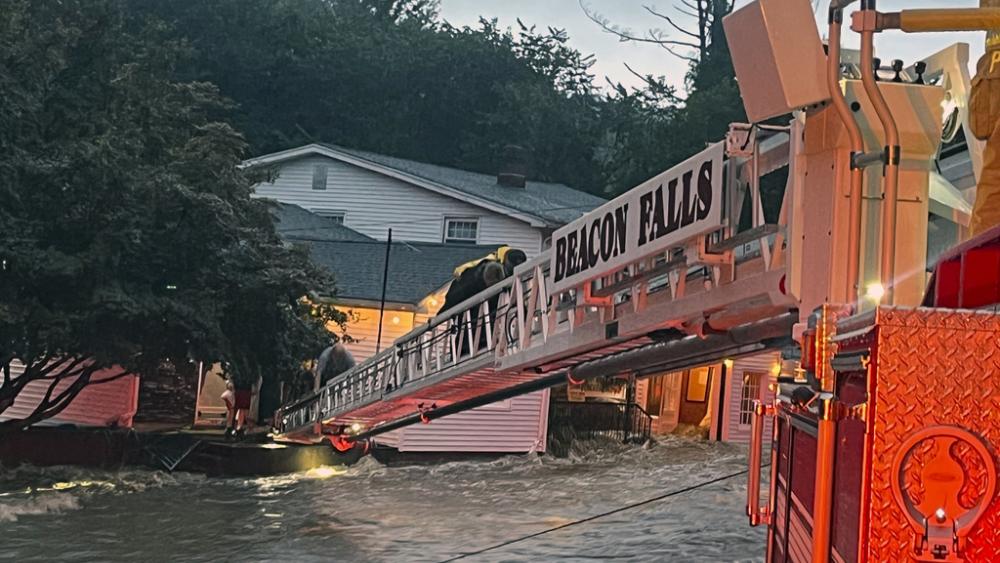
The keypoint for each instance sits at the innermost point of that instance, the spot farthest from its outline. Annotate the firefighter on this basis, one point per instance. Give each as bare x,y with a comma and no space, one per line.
476,276
984,122
333,361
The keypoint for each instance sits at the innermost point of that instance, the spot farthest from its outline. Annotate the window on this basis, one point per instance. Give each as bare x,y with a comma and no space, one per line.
698,379
749,392
335,215
461,231
319,176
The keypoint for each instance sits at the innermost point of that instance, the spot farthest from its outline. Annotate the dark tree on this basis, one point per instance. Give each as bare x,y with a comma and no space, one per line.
127,231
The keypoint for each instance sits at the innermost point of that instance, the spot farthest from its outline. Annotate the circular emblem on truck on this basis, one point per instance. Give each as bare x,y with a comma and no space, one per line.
943,479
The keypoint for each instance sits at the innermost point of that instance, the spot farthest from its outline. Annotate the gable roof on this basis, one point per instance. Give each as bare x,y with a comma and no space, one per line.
541,204
415,268
296,223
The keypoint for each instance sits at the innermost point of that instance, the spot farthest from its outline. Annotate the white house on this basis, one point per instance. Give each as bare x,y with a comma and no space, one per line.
371,193
341,203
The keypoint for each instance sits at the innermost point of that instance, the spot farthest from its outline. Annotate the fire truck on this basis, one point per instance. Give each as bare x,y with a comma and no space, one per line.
886,423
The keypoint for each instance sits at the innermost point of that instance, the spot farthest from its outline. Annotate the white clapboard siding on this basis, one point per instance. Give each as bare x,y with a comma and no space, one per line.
107,404
390,439
733,431
641,390
517,425
372,203
363,328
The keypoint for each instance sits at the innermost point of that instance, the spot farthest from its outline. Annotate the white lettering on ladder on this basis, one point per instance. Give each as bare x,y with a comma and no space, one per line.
662,213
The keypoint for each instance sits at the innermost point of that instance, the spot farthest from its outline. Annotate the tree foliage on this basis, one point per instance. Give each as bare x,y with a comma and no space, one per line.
390,76
127,231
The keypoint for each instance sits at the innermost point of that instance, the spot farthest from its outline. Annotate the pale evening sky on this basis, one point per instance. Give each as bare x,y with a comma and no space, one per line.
611,54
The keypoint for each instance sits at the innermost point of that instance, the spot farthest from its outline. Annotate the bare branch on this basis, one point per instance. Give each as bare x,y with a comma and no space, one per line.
624,35
50,407
72,391
670,50
45,374
671,22
648,79
124,373
5,366
52,387
41,366
43,412
658,37
687,13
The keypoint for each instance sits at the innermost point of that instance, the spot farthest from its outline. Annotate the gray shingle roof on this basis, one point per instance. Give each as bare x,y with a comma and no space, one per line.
356,260
295,223
556,204
415,268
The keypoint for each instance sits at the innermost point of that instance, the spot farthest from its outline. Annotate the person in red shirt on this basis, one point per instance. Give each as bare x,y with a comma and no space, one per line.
243,397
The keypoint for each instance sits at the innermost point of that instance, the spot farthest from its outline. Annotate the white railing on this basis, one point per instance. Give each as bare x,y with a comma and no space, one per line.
511,323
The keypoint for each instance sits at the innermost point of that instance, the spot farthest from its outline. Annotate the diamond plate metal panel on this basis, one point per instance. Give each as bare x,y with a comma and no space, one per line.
932,366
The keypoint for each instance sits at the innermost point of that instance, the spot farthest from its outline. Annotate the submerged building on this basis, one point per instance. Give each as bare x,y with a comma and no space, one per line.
341,203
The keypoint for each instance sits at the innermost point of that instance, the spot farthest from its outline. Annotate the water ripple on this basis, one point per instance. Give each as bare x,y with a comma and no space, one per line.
371,512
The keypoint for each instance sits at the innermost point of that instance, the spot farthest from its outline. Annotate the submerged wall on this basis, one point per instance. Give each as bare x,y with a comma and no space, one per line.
105,404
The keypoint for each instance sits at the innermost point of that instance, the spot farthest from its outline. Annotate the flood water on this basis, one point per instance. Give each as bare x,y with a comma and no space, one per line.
372,512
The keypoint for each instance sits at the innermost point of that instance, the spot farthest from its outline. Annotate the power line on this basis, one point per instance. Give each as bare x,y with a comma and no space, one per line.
601,515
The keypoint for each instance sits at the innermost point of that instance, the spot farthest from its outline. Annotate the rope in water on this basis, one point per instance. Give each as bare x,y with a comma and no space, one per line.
597,516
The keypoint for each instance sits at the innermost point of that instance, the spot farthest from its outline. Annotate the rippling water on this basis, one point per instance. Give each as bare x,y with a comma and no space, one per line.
371,512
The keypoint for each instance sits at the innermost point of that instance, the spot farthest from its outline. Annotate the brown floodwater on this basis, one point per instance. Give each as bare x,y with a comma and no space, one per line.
373,512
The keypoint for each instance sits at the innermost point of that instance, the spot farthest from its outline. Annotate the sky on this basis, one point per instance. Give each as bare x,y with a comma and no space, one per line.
611,54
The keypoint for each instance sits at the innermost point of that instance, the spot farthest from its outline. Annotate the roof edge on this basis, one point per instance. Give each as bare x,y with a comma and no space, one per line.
324,150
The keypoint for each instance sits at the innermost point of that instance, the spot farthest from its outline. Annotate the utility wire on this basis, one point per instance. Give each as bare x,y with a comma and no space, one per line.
601,515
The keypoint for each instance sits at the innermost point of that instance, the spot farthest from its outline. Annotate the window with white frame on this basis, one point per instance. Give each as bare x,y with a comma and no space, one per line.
461,230
336,215
749,392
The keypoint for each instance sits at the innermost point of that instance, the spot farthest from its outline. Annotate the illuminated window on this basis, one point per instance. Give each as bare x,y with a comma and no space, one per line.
461,231
749,392
698,379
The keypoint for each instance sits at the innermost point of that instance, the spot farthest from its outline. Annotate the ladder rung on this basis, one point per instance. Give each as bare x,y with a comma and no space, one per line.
745,237
566,304
626,283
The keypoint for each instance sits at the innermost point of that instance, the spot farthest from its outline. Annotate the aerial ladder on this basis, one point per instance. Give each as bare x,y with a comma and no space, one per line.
886,433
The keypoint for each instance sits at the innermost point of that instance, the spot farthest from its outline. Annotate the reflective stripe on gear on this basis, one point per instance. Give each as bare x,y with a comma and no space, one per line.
497,256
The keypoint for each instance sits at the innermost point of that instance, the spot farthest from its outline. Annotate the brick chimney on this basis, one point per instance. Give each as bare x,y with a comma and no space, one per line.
513,167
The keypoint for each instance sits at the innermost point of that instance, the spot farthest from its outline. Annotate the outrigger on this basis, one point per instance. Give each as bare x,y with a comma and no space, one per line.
888,412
